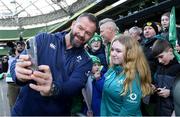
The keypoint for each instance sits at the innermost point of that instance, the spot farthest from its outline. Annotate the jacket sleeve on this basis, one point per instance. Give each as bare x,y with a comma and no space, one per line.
76,81
99,84
67,81
131,101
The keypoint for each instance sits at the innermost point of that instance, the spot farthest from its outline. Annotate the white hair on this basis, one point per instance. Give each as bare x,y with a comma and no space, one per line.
110,23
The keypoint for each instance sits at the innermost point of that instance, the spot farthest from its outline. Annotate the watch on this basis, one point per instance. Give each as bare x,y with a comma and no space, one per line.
52,89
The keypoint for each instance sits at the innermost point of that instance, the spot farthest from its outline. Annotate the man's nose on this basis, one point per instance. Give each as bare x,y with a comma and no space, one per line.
82,33
113,53
147,31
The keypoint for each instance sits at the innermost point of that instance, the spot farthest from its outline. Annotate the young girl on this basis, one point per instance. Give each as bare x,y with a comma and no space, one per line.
127,80
165,22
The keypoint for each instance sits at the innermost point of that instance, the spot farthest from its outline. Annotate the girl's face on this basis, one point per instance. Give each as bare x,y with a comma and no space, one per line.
117,53
95,68
165,21
95,46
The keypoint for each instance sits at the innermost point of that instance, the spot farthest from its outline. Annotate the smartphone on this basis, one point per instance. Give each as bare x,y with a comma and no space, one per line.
31,49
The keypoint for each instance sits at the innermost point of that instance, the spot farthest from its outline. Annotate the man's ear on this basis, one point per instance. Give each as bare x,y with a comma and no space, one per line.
170,50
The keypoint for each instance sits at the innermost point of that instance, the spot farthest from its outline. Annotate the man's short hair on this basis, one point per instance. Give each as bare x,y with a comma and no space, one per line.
20,43
135,29
160,46
90,16
111,22
103,21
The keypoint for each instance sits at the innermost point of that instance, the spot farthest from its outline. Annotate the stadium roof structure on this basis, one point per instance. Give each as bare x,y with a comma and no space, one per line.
30,8
29,17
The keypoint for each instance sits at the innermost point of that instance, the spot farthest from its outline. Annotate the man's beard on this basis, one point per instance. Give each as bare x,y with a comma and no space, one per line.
73,43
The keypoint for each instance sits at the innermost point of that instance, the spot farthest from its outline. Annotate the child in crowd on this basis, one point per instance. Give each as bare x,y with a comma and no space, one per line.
164,77
165,22
96,48
93,91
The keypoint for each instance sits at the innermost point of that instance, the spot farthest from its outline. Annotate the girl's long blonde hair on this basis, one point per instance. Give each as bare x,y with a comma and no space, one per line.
134,62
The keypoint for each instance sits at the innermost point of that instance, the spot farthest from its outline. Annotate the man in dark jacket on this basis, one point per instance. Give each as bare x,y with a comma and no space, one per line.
150,31
62,71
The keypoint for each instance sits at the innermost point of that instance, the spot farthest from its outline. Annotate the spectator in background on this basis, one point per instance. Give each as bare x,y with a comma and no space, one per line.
166,74
62,71
135,32
96,48
165,21
13,88
20,46
150,30
127,80
4,67
93,90
108,30
4,64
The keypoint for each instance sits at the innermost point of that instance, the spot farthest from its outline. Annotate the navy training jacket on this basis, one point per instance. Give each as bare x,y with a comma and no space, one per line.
69,70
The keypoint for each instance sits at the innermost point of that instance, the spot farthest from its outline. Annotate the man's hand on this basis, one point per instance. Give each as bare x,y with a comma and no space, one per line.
23,73
43,79
97,75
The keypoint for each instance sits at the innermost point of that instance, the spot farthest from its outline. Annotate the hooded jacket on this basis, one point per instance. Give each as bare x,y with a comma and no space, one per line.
165,77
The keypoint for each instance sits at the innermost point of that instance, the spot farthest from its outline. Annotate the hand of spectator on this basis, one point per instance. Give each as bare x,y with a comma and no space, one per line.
23,73
97,75
86,47
89,113
43,79
163,92
153,88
